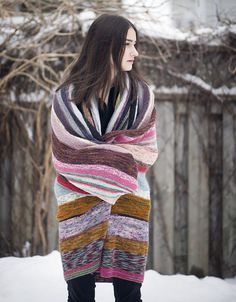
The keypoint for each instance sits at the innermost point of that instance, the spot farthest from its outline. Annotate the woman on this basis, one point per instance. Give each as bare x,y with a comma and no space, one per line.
103,142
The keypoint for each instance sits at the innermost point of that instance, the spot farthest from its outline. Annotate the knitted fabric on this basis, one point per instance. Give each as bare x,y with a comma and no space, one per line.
102,192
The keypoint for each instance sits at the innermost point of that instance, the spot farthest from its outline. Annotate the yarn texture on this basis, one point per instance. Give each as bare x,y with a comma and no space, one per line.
101,187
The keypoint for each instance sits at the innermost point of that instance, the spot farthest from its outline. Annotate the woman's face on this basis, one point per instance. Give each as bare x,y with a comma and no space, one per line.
130,52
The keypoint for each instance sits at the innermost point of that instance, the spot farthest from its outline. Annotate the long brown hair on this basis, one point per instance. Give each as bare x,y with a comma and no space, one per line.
102,51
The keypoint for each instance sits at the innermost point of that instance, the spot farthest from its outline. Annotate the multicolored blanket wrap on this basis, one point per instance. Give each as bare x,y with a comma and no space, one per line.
101,188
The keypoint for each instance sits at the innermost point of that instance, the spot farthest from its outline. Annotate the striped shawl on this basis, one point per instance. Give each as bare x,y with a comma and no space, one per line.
102,192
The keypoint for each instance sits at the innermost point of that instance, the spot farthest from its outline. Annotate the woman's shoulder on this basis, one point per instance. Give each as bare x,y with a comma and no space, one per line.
64,87
65,90
144,85
61,95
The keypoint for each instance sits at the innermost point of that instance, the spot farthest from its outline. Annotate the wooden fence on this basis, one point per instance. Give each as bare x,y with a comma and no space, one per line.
193,229
193,183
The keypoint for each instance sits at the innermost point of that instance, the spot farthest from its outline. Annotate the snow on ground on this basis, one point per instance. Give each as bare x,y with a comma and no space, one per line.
40,279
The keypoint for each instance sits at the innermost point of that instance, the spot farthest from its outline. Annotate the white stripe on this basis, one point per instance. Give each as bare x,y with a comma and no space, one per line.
96,115
79,116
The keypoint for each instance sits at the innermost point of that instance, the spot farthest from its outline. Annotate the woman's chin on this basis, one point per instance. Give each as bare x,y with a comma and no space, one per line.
128,68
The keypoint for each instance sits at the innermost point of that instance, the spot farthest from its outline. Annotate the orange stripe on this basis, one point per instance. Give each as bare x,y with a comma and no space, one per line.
132,205
77,241
126,245
76,207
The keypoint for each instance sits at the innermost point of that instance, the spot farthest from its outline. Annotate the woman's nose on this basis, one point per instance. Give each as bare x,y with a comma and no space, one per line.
135,52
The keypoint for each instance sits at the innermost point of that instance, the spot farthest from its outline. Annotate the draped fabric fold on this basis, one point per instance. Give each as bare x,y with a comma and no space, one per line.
102,192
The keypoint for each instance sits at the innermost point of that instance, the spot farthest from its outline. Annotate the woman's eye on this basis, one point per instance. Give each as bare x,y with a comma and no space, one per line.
129,44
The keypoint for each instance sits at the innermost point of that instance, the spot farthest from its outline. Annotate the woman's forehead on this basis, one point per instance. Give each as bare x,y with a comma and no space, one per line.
131,35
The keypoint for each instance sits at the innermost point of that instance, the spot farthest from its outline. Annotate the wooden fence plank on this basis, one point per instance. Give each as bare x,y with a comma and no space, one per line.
163,191
5,201
52,224
198,189
215,189
229,189
181,189
22,189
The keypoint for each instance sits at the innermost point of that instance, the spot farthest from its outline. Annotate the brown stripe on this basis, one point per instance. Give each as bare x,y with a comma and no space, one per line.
75,242
121,161
133,206
126,245
76,207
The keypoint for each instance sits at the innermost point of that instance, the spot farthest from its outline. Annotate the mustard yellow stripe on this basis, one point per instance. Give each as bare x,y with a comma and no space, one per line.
76,207
126,245
94,233
132,205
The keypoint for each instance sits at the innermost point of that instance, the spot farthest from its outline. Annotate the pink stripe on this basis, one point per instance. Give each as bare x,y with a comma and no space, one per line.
102,194
114,272
99,170
101,182
103,190
68,184
142,169
65,183
124,138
